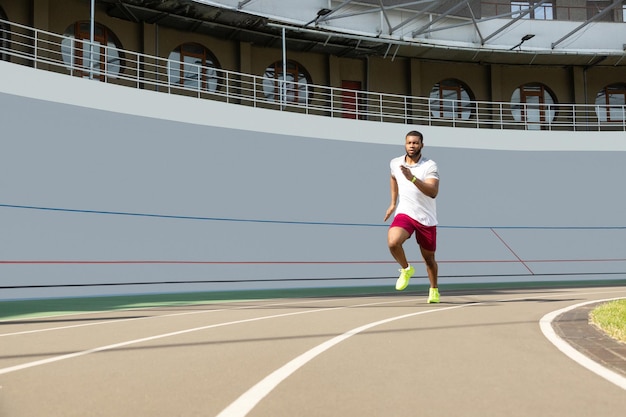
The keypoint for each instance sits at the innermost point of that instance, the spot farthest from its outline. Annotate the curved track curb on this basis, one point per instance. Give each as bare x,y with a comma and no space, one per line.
570,331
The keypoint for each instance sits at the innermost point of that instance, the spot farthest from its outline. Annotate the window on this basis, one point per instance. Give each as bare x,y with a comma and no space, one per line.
451,99
542,12
610,103
532,104
101,61
294,90
595,7
194,66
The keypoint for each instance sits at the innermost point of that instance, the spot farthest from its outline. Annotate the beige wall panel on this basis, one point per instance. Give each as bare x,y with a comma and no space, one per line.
475,76
388,76
315,64
60,18
245,58
557,79
225,51
261,58
598,78
17,11
347,69
150,43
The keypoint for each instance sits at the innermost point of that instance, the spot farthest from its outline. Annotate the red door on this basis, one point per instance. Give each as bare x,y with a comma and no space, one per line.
350,99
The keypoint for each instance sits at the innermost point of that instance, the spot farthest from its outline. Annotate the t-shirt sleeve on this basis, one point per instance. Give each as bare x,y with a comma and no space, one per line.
433,171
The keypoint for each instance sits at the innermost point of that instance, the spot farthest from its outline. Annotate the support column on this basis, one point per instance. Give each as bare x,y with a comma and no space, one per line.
41,14
41,20
245,67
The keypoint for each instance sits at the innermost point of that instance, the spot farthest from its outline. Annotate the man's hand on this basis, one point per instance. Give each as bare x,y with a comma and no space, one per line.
390,211
406,172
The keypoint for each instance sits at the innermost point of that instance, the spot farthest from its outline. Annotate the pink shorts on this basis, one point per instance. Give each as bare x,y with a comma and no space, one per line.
426,236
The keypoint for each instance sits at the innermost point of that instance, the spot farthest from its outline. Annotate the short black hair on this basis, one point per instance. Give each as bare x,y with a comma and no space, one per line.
416,133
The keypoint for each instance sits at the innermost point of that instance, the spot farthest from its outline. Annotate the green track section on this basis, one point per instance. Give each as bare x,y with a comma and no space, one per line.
50,307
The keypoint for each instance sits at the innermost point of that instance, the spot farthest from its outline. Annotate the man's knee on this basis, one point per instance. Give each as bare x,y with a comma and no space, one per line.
394,242
396,236
429,257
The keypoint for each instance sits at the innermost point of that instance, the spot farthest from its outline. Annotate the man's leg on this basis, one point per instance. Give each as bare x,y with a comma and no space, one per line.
396,236
433,271
431,266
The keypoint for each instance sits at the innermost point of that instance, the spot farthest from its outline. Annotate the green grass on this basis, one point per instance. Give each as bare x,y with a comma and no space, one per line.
20,309
611,318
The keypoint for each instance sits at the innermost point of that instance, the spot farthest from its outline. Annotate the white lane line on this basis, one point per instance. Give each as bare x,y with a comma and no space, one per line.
177,333
115,321
546,327
145,339
248,400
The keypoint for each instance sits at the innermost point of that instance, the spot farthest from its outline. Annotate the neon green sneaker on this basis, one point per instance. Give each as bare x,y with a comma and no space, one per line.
405,276
433,295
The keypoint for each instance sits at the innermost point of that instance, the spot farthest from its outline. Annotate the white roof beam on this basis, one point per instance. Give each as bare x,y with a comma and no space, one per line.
425,28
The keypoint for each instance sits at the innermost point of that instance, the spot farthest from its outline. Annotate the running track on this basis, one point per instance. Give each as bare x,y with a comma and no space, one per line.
480,353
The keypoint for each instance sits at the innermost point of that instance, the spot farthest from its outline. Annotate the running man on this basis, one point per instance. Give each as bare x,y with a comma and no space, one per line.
414,186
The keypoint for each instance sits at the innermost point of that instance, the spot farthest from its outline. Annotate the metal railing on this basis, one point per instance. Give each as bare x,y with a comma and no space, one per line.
43,50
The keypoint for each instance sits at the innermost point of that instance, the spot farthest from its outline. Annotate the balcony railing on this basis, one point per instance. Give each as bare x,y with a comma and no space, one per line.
52,52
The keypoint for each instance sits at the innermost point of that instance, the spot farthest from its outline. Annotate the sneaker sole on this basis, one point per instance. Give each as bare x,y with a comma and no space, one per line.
400,288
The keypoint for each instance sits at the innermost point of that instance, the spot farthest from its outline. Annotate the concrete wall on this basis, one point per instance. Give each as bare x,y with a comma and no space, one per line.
111,190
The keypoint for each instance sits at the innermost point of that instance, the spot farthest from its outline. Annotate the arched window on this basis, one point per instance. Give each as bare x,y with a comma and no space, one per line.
533,105
5,36
295,90
610,102
194,66
102,60
451,99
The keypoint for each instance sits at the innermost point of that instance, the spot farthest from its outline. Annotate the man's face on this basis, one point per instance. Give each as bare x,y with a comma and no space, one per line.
413,145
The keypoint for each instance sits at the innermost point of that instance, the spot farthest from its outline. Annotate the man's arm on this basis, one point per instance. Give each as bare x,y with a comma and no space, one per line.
393,185
430,186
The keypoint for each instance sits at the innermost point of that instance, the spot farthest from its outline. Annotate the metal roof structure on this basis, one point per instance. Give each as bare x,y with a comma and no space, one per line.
464,31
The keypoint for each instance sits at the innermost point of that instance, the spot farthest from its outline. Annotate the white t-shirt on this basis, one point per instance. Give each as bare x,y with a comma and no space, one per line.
411,201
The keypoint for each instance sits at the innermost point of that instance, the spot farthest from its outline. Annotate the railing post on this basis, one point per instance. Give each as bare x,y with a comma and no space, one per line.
199,86
406,111
476,109
454,112
138,77
227,87
254,91
548,116
35,48
306,98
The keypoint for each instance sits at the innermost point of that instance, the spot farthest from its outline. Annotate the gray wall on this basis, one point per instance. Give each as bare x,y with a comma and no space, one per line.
110,190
